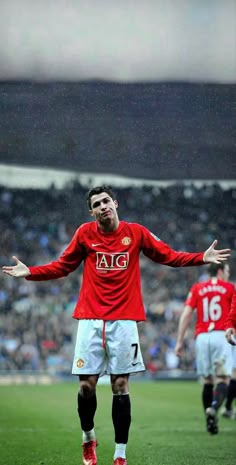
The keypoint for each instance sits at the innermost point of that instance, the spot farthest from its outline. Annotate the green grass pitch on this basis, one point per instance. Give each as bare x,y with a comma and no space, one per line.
39,426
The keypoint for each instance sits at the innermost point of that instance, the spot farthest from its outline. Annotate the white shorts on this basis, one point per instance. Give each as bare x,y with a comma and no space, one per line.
233,348
110,347
213,354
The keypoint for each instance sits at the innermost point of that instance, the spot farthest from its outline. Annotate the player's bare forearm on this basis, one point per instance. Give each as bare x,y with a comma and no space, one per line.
183,324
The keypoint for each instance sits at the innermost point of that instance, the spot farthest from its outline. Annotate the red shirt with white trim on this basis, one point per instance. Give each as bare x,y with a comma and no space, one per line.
111,285
211,300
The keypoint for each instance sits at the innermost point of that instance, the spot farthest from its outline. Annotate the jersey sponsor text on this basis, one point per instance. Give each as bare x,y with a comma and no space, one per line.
112,261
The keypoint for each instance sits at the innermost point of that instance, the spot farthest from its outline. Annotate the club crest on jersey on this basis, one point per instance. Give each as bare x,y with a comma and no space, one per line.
126,240
112,261
80,363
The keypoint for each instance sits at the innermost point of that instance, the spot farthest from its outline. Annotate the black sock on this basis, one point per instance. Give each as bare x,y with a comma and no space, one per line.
219,395
86,409
231,394
121,416
207,395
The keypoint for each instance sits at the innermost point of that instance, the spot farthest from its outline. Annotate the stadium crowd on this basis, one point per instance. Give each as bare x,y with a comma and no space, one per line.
36,328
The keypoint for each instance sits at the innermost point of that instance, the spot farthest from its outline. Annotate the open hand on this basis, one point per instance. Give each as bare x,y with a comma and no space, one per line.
212,255
20,270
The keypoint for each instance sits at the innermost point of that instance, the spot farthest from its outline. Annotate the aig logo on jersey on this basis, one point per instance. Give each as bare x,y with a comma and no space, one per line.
112,261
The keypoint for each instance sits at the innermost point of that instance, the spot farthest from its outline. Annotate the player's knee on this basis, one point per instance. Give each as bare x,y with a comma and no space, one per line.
209,379
222,379
119,384
87,388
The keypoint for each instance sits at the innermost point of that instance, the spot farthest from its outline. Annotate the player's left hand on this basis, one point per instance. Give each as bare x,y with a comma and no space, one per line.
230,335
178,349
212,255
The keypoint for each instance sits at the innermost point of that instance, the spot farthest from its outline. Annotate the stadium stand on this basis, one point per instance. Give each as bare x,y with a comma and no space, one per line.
36,328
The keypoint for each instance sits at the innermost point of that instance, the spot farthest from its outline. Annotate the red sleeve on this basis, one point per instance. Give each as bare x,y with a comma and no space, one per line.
231,319
66,263
160,252
191,299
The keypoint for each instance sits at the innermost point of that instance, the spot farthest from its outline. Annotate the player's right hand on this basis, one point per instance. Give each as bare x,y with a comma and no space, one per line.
19,270
230,335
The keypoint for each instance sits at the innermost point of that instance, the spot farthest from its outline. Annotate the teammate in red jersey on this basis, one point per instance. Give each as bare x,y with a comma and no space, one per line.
109,306
211,299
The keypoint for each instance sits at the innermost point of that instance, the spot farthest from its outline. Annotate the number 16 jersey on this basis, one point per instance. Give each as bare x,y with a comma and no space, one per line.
211,299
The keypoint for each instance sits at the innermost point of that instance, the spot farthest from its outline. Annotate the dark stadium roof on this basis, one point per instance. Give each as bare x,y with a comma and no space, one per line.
150,130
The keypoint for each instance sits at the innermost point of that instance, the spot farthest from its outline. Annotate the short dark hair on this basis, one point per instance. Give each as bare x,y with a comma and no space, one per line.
213,268
98,190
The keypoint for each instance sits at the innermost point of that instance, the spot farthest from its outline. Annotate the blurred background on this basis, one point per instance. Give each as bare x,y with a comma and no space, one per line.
140,95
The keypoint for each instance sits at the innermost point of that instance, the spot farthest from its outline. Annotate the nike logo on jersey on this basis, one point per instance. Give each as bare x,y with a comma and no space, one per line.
135,363
95,245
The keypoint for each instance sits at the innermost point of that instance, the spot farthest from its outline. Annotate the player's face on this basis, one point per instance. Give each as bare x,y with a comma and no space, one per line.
103,208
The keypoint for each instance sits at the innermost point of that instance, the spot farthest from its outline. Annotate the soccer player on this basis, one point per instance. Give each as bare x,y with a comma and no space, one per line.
211,299
109,306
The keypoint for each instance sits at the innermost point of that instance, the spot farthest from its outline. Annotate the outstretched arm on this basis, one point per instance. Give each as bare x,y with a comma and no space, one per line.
160,252
69,260
183,324
20,270
212,255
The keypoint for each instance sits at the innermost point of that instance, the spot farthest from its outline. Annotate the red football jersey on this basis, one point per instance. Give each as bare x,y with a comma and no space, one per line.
211,299
231,319
111,286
